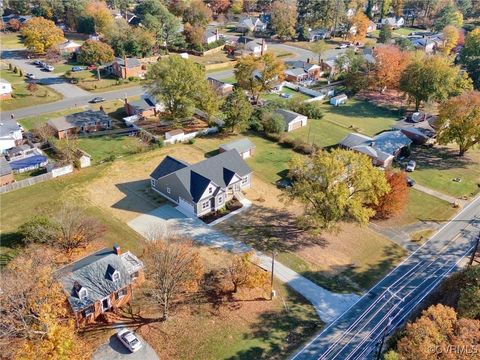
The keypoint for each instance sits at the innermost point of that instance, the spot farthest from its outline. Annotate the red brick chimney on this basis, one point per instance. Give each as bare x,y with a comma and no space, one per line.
116,249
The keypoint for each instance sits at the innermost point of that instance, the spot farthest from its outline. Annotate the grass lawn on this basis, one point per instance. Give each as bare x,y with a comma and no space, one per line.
87,80
21,97
308,45
437,166
28,174
103,148
321,132
32,122
285,90
270,161
216,58
11,41
63,67
360,116
230,80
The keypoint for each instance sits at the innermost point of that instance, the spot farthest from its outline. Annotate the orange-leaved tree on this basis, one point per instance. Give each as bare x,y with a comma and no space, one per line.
360,22
393,202
390,62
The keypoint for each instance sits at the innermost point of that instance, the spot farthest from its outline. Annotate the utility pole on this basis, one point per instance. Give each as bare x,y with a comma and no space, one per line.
475,253
385,330
272,292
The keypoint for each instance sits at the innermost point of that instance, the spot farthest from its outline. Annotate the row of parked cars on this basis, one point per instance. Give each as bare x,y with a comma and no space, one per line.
44,65
81,68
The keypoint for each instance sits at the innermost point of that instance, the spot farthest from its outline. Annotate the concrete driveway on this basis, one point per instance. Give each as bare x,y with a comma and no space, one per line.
115,350
55,81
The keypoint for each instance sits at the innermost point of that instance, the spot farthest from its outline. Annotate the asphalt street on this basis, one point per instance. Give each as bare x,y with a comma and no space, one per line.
357,333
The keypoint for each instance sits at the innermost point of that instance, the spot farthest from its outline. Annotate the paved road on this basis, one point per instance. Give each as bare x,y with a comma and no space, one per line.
167,219
115,350
356,334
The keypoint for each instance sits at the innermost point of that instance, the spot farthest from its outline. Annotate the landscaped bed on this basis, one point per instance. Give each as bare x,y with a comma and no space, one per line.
231,206
155,126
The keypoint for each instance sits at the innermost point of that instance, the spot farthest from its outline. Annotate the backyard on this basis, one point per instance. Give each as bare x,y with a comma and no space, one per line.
107,148
21,96
11,40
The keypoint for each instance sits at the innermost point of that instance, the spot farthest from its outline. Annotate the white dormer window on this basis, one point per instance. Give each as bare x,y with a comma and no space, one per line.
82,293
168,190
220,199
245,180
210,189
116,276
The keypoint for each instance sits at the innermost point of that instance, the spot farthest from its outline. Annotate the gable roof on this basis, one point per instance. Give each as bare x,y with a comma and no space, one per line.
354,139
131,62
5,168
295,72
287,115
391,141
240,145
7,127
168,166
301,64
94,273
79,119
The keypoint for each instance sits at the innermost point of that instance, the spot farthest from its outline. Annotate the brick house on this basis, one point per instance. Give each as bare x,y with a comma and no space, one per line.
144,108
85,121
100,283
126,67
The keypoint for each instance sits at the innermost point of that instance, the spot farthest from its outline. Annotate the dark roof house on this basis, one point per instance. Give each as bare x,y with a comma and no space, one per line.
89,120
243,146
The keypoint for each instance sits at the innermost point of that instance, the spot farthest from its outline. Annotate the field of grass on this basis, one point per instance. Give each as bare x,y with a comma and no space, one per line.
320,132
21,97
360,116
87,80
103,148
438,166
308,45
32,122
270,161
293,95
11,41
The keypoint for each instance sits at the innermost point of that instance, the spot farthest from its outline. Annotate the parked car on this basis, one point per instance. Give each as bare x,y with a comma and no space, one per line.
97,99
30,76
285,96
410,182
37,62
92,67
411,166
42,64
48,67
342,46
77,68
129,339
284,183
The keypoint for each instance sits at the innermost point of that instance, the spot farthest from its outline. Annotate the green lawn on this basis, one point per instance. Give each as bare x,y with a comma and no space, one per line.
103,148
360,116
437,166
19,205
11,41
270,161
61,68
21,97
87,80
285,90
32,122
320,132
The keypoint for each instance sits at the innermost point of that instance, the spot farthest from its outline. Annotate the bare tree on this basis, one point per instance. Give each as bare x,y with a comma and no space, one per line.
175,270
76,228
44,132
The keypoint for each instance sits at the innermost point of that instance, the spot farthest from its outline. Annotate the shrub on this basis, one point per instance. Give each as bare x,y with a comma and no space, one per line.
288,142
191,141
9,66
20,72
273,137
15,70
160,143
305,148
131,78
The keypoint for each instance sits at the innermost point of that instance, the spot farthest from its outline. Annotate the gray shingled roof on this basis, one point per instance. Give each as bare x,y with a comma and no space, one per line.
131,62
5,168
287,115
391,141
168,166
355,139
241,145
94,273
8,126
79,119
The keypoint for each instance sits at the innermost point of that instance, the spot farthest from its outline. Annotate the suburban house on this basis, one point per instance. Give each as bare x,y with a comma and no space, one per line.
421,132
302,70
100,282
250,24
85,121
211,35
292,119
131,18
243,146
382,148
69,47
249,46
5,89
10,135
339,99
24,158
371,27
204,187
126,67
394,22
222,88
318,34
6,172
145,107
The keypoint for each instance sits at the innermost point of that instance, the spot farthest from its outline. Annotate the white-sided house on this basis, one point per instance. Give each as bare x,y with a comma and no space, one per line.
243,146
292,119
69,47
339,99
5,89
211,35
204,187
394,22
174,136
10,135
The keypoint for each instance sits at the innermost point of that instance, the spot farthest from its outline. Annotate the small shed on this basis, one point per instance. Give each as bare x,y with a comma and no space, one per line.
173,136
292,119
339,99
84,159
243,146
6,173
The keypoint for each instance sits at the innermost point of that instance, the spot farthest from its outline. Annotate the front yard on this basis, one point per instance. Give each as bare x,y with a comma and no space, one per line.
21,96
438,166
12,40
88,81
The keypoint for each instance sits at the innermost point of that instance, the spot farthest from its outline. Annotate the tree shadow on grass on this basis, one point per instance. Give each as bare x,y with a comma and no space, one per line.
361,109
268,229
440,158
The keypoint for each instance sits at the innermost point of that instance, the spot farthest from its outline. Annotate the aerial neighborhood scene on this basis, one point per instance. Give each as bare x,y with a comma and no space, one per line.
240,179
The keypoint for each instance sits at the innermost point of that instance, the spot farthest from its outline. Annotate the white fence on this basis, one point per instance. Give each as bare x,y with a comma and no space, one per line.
189,136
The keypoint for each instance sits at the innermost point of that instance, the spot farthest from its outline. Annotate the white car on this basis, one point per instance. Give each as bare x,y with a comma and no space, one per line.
130,340
411,166
49,68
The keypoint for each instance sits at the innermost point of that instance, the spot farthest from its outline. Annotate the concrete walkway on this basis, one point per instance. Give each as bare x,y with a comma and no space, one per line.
167,219
442,196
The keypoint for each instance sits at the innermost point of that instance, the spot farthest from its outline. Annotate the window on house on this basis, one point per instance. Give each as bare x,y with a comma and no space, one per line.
206,205
220,199
120,293
134,275
116,276
88,311
245,180
153,182
168,190
83,293
210,189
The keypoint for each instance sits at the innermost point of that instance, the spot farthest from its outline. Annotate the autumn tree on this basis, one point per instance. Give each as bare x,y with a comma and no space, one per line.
179,84
469,297
32,87
174,270
336,186
284,18
433,78
436,332
470,56
398,7
41,34
52,55
320,13
259,74
34,310
450,38
360,22
238,111
237,6
459,121
197,13
395,201
319,48
14,24
385,34
102,17
390,63
95,53
448,15
194,34
244,272
219,6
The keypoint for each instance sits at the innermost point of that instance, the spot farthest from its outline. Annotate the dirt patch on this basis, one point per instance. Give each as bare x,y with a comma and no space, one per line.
154,126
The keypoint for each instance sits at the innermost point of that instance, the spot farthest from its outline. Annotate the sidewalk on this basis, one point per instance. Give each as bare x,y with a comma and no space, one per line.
442,196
